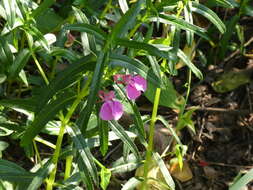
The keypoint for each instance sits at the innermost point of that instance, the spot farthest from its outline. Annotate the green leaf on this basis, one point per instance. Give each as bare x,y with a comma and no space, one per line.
135,65
188,18
28,104
243,181
3,77
137,116
95,85
120,132
66,78
19,63
126,22
6,56
152,50
170,128
10,11
91,29
210,15
68,54
40,176
186,120
123,5
103,136
125,165
223,3
33,31
88,40
87,163
10,171
105,175
131,184
42,8
3,146
180,23
164,170
224,41
169,96
188,62
45,115
49,21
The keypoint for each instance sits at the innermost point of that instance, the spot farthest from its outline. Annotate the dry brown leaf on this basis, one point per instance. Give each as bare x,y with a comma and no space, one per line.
182,175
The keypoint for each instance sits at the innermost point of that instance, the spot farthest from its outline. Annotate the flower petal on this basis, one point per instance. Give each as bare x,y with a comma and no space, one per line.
111,110
117,109
106,111
139,83
132,92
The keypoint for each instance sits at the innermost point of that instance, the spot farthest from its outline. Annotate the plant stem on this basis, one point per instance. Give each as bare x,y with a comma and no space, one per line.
64,123
151,134
40,69
68,164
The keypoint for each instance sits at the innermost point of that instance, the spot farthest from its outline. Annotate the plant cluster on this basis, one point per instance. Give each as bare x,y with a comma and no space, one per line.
56,61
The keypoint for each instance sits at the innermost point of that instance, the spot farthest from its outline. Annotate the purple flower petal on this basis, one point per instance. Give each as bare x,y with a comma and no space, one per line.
117,110
111,110
132,92
139,83
105,111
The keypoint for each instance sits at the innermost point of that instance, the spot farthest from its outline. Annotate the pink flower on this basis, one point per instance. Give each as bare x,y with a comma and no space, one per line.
135,84
111,109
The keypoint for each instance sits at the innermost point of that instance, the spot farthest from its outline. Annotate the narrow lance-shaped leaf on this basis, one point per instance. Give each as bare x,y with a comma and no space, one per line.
135,65
10,10
210,15
95,85
103,136
45,115
66,78
243,181
152,50
126,21
6,55
86,157
19,62
164,170
40,176
120,132
182,24
88,40
188,62
94,30
10,171
189,19
137,116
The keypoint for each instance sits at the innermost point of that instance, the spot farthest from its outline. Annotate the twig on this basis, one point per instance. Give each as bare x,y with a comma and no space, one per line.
222,110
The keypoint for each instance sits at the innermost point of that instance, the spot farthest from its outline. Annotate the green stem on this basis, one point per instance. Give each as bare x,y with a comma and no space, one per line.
186,97
151,134
40,69
37,152
108,6
64,123
68,164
